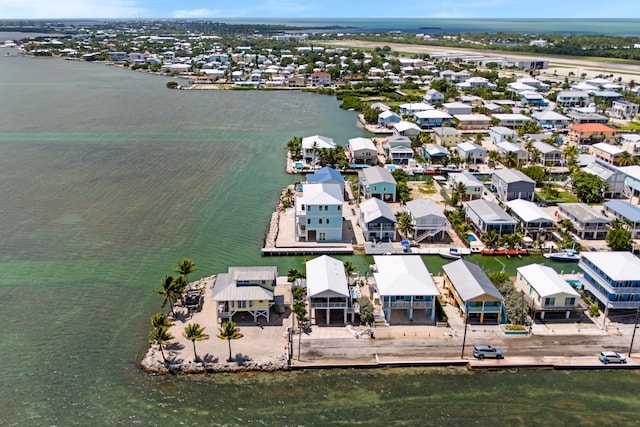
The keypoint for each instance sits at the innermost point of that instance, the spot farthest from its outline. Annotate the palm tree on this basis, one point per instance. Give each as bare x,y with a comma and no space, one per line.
570,152
169,290
625,159
160,319
193,332
494,156
186,267
229,331
180,284
511,159
349,269
460,189
404,223
160,336
491,238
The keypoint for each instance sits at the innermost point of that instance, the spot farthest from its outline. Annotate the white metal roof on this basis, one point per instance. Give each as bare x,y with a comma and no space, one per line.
546,281
512,175
326,277
403,126
619,266
528,211
375,208
608,148
362,144
403,275
320,142
322,194
470,280
432,114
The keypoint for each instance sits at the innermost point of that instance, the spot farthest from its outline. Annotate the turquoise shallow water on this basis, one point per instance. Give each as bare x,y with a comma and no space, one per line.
106,180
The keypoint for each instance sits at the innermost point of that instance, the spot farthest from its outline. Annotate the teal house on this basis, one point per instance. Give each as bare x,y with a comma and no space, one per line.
377,182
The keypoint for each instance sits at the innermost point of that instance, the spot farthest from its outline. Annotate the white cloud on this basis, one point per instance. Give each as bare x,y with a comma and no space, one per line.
195,13
41,9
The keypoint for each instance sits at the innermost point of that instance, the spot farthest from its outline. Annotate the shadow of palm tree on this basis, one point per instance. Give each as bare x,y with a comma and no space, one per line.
175,346
241,359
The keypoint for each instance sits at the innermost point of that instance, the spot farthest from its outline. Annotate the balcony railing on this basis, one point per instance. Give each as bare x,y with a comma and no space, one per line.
487,309
409,304
329,305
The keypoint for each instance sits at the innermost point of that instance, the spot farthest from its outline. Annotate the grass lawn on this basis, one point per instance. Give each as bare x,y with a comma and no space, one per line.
631,126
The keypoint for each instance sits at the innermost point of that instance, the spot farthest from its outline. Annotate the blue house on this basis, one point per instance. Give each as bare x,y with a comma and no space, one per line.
377,182
326,175
613,278
387,119
432,118
318,215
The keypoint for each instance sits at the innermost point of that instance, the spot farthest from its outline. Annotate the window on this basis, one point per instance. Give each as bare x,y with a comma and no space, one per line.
569,302
308,220
242,304
549,302
322,236
339,207
319,220
327,220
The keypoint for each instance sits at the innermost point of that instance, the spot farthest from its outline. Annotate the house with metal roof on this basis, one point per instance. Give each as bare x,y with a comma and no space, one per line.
245,290
411,108
328,291
311,145
624,110
627,212
549,154
506,147
398,149
326,175
387,118
613,278
434,152
472,121
446,136
472,152
432,118
454,108
318,213
473,187
612,175
472,292
406,129
534,221
486,216
546,292
428,219
605,152
405,288
572,98
377,182
512,184
512,120
362,151
589,223
377,221
550,119
499,134
433,97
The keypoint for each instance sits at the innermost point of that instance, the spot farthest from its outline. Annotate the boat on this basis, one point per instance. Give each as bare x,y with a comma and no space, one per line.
453,253
568,255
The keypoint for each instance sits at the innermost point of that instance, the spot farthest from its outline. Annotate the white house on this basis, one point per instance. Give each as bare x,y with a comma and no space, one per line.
318,215
547,292
473,187
472,152
328,291
312,144
362,151
428,219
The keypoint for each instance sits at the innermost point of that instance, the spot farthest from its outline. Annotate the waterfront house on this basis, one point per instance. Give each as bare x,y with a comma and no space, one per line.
532,98
612,175
624,110
328,291
471,152
607,153
318,216
485,216
546,292
500,134
549,154
433,97
591,133
472,121
434,152
474,83
380,106
551,120
362,151
326,175
428,220
613,278
387,118
432,118
410,108
512,184
572,98
578,118
406,129
588,222
511,120
446,136
320,79
377,220
627,212
506,147
472,292
534,221
244,290
454,108
311,145
398,149
377,182
405,288
473,187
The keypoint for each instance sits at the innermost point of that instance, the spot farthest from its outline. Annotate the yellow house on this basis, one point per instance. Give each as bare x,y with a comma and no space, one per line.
245,290
546,292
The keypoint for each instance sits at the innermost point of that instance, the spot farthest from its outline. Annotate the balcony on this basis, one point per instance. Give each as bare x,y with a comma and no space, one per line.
410,304
329,305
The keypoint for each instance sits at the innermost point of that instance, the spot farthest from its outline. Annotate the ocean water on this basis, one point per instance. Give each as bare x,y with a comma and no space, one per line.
612,27
107,179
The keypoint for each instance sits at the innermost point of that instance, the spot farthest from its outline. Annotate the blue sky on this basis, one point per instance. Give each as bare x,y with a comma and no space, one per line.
42,9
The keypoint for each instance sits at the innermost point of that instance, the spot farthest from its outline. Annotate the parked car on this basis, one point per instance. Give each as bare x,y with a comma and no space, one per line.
612,357
482,351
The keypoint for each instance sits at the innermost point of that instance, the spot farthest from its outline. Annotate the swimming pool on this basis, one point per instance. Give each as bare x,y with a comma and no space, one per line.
471,238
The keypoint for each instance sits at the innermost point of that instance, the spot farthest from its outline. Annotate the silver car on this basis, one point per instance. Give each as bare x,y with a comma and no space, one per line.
482,351
612,357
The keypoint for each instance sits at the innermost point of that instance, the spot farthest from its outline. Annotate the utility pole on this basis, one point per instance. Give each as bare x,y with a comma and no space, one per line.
635,326
464,337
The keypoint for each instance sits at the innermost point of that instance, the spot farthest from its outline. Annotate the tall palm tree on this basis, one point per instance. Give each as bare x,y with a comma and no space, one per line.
511,159
461,190
625,159
404,223
570,152
186,267
160,319
229,331
491,238
160,336
169,291
349,269
193,332
493,155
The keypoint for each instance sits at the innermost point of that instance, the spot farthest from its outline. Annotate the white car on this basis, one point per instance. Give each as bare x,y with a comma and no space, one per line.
612,357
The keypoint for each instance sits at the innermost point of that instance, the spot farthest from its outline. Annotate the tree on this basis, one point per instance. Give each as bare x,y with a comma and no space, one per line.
170,291
570,152
349,269
193,332
511,159
460,190
371,115
493,155
625,159
229,331
366,310
404,224
491,238
160,336
186,267
589,188
172,84
161,319
537,173
619,239
294,274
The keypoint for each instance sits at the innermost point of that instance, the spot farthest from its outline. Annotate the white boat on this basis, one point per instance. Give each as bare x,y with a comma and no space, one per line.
453,253
568,255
